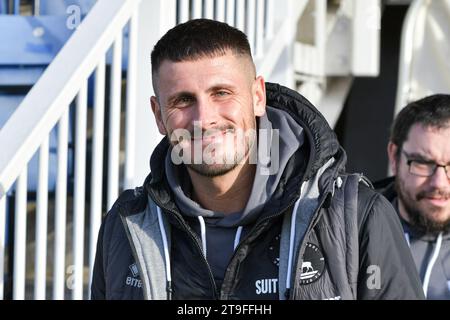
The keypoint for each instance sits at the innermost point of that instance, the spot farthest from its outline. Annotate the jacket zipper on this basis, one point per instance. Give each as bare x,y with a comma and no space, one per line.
241,243
279,213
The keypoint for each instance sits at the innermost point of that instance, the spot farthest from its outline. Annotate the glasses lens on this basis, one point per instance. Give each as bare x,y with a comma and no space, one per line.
447,171
422,169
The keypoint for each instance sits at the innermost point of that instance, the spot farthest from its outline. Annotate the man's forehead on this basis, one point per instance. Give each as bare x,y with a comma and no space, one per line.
430,141
420,130
205,72
210,59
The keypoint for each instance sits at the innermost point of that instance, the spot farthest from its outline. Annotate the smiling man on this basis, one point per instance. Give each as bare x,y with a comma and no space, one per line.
419,154
247,196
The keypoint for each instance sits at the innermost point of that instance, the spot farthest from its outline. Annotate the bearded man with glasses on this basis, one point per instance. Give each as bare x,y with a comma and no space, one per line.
419,155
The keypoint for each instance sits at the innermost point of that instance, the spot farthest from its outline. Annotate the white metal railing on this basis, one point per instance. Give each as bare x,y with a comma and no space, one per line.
46,105
65,84
250,16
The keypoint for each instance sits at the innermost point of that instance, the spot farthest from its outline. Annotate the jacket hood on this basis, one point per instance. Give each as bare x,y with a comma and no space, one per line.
320,145
322,139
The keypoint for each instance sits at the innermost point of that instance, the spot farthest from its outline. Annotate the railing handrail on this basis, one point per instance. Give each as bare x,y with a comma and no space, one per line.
46,102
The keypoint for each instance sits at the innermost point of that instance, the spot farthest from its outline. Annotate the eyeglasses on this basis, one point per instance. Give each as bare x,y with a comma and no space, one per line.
424,168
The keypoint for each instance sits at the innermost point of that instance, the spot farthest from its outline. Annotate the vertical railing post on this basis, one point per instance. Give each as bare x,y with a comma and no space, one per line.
240,15
79,194
259,46
20,237
183,11
250,23
197,7
130,134
220,10
40,275
114,123
158,16
2,242
60,209
97,163
208,9
231,6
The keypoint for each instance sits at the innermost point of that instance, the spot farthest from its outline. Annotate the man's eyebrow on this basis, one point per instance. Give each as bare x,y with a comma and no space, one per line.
178,95
419,156
220,86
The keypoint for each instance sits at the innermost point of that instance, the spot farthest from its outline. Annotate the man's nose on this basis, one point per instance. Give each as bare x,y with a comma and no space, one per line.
206,112
439,179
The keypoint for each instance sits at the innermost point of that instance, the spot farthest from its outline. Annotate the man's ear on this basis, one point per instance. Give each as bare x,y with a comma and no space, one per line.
392,150
156,108
259,96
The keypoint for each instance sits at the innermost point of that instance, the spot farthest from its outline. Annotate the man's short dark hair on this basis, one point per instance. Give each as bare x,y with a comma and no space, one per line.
432,111
196,39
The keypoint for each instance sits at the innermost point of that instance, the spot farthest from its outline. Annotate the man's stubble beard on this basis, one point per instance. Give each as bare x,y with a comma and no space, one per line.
216,170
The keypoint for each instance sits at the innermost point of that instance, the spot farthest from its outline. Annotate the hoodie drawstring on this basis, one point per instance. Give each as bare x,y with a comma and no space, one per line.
237,238
166,254
407,237
426,279
291,246
236,243
203,233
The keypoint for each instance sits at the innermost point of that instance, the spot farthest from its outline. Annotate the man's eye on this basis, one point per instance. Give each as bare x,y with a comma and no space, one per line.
423,164
222,93
183,101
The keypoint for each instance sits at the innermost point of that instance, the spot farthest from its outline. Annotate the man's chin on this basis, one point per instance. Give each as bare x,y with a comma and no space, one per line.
212,170
438,216
433,219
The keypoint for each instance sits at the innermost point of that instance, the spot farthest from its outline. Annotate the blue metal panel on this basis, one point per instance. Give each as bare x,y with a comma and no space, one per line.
13,76
28,40
59,7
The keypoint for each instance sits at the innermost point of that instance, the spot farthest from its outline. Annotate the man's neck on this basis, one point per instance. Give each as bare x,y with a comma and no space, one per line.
227,193
402,211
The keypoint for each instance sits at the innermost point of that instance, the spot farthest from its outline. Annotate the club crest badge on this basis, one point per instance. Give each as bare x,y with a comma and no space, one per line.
313,264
